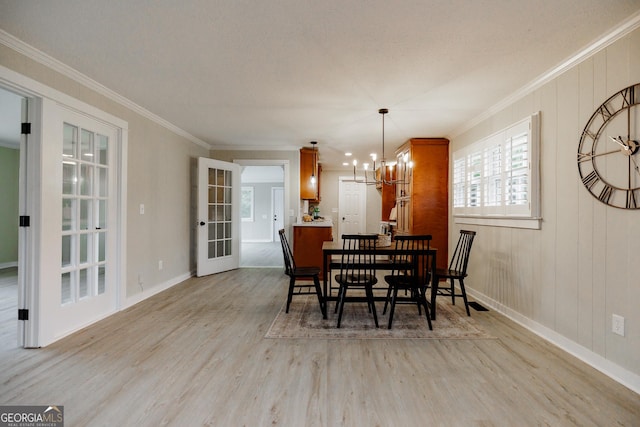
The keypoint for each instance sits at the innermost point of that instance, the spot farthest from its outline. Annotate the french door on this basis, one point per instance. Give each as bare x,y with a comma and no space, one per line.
79,222
218,216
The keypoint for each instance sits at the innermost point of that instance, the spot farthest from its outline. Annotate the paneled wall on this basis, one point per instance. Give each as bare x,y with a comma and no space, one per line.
566,280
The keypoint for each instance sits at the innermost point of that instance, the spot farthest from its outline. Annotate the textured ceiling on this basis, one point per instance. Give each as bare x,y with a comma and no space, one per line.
250,74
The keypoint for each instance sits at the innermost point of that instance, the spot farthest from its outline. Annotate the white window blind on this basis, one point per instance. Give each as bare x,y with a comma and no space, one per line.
497,177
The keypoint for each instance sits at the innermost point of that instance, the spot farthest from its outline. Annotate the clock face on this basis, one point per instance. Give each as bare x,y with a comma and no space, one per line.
609,150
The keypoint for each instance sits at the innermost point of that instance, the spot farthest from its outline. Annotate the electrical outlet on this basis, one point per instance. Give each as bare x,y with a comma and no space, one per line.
617,325
160,265
141,208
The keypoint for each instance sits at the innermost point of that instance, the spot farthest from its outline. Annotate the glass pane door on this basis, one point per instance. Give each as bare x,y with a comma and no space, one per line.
85,191
219,216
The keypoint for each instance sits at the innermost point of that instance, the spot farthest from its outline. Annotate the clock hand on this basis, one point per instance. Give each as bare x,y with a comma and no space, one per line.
618,141
588,156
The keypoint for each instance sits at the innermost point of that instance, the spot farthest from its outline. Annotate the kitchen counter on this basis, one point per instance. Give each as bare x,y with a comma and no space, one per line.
315,223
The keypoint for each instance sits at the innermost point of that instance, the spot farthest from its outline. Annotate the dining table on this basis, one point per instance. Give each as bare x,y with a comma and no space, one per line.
384,260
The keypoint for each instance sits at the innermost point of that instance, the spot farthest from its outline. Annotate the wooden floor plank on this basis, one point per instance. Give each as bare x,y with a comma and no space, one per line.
196,355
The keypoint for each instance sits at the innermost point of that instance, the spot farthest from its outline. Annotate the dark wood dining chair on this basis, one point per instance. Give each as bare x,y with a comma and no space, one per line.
413,268
300,277
457,269
357,270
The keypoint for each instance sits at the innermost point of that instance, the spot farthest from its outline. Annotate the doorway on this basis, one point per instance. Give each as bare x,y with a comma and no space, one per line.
10,135
264,207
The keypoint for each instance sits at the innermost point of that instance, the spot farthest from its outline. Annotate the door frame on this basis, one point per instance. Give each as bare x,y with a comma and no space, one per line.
287,181
32,252
275,236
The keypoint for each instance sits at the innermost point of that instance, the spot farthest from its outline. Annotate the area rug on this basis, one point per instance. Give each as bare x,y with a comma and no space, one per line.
304,320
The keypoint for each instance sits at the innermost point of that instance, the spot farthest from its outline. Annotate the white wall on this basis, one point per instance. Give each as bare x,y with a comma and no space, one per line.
567,279
160,171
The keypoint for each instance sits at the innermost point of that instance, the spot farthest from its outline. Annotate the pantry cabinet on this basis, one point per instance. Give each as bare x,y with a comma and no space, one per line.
422,201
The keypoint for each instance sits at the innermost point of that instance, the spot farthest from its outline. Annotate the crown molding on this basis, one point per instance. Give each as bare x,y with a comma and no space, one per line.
624,28
37,55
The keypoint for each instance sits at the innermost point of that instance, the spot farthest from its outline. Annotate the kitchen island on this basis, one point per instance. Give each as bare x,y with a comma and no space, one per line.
308,238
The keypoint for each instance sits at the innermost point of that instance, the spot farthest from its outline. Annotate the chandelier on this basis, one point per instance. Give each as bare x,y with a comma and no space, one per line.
384,177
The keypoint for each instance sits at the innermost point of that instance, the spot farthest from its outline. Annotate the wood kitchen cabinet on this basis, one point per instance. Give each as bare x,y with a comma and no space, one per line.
309,166
307,244
423,203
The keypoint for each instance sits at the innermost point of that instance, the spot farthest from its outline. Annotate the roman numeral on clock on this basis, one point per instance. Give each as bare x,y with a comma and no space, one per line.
632,203
628,96
591,179
605,194
604,112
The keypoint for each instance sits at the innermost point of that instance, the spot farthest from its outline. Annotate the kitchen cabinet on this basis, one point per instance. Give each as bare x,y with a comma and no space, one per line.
422,201
309,166
307,243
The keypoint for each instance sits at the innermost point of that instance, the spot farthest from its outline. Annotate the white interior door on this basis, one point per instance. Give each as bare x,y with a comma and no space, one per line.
277,208
218,216
352,203
79,226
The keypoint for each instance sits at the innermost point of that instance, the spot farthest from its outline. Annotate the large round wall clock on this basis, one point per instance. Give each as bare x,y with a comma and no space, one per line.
608,153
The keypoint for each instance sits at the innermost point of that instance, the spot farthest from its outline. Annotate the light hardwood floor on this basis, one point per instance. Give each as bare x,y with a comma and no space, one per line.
267,254
196,355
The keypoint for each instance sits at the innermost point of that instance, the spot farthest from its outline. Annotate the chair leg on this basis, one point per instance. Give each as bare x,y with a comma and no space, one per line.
453,293
422,297
386,301
323,304
393,306
338,300
343,293
372,305
464,296
292,282
415,295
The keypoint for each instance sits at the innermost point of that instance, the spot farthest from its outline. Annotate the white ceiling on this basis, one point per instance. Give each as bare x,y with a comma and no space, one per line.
248,74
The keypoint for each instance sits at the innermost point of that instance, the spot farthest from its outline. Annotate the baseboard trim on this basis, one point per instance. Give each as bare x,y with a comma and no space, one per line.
607,367
8,264
147,293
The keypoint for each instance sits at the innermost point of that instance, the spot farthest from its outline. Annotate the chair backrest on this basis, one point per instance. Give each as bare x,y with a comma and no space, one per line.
422,260
358,257
289,262
460,257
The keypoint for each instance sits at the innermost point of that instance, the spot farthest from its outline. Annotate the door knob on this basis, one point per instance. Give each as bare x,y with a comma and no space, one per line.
202,223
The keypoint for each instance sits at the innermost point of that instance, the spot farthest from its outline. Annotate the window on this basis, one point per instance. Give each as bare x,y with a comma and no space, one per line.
246,204
496,179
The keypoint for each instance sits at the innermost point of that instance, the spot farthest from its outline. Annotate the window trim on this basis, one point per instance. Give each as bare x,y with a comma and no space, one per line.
471,207
250,218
